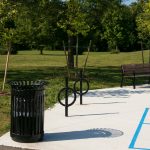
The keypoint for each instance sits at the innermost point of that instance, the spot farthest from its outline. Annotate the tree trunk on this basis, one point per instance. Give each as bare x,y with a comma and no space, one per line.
6,65
149,54
66,58
70,54
142,52
77,44
41,51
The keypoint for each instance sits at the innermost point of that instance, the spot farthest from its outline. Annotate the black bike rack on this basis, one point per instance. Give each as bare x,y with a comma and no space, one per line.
66,90
74,91
80,91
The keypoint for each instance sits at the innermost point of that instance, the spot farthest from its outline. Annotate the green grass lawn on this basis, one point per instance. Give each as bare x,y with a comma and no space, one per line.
103,70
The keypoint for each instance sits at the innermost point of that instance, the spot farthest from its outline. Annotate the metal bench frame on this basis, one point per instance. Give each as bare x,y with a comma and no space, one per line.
135,70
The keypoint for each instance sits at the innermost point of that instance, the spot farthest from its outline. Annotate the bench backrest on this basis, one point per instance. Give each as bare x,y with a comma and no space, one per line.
135,68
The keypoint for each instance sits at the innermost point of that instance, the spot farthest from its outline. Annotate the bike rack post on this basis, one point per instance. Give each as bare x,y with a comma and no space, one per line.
80,92
66,97
66,90
81,102
74,91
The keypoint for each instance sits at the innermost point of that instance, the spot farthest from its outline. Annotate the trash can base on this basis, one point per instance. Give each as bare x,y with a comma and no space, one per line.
27,139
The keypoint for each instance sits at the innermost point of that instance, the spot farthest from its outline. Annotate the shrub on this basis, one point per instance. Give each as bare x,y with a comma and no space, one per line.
114,51
4,51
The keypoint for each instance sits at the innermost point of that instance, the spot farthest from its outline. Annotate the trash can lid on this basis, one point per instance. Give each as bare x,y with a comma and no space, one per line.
24,84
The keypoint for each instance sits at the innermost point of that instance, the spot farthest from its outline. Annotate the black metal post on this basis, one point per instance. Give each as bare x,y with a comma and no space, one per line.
134,80
66,92
66,97
81,87
80,80
149,80
122,79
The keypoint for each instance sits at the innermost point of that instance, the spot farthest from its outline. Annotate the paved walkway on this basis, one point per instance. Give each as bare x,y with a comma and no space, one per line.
109,119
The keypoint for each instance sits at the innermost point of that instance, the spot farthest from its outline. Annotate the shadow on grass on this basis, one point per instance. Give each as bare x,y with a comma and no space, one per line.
100,77
40,73
107,74
84,134
54,54
110,76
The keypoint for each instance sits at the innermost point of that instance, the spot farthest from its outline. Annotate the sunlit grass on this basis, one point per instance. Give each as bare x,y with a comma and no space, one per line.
102,70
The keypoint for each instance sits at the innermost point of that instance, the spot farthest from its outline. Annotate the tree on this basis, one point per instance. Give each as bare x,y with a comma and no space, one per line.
74,23
118,28
23,30
7,21
95,10
143,24
46,23
7,17
37,24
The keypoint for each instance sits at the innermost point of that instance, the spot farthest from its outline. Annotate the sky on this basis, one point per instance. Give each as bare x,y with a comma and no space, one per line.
128,2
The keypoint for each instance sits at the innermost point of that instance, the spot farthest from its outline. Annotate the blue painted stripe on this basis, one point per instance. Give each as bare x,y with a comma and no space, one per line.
138,129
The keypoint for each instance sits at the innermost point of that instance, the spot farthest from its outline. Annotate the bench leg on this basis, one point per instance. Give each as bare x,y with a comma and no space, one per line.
134,82
122,79
149,80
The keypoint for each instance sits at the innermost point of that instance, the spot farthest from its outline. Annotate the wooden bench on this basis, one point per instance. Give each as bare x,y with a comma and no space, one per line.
135,70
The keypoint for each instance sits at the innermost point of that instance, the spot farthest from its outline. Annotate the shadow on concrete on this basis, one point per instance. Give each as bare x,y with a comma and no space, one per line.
107,103
147,86
123,93
85,134
84,115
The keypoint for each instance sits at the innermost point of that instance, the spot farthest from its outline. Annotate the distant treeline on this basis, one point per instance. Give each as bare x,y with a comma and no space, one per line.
47,24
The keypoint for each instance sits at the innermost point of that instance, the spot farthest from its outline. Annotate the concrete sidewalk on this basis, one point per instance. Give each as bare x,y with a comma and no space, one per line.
109,119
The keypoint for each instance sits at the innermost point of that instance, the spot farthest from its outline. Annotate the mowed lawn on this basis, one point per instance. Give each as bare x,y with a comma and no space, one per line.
103,70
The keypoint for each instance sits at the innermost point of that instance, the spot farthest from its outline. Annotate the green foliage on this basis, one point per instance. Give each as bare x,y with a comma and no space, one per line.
114,51
143,23
74,22
32,23
4,50
8,14
118,28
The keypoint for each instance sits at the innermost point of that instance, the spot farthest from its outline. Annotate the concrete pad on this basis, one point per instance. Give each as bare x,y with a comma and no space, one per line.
142,137
107,120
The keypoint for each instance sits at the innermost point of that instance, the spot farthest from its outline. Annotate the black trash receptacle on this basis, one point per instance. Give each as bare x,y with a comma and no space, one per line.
27,110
